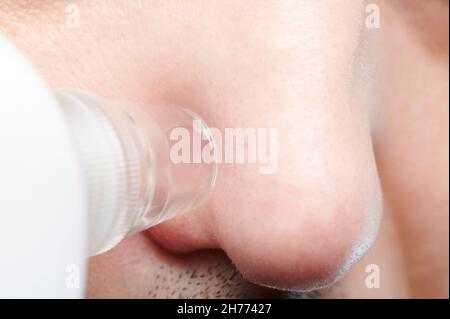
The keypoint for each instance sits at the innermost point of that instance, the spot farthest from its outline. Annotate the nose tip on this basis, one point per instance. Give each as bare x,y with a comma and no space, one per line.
293,239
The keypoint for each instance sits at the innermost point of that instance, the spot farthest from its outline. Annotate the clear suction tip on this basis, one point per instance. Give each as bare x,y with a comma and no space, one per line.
142,164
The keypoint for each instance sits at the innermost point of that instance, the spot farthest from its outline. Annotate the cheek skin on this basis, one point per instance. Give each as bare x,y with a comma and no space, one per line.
286,65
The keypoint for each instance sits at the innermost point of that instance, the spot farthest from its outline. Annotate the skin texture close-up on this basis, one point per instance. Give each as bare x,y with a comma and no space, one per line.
362,116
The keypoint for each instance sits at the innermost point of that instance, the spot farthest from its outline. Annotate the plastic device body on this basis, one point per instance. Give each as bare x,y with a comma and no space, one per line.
43,214
78,173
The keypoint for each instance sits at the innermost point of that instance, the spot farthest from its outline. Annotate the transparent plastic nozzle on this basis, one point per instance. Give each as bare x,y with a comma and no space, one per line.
135,174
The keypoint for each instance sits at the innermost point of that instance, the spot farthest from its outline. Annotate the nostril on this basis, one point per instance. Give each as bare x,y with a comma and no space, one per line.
186,233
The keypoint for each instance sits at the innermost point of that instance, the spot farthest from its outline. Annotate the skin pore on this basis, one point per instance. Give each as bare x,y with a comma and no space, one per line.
359,111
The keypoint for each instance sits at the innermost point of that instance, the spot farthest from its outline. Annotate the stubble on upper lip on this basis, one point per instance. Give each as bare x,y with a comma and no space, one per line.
138,268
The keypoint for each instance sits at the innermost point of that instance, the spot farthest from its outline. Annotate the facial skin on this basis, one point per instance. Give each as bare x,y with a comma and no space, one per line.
362,116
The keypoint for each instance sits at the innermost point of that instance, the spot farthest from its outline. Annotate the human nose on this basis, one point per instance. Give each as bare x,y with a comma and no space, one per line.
303,226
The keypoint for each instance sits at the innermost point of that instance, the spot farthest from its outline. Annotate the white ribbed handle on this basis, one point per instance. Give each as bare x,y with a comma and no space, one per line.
111,175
